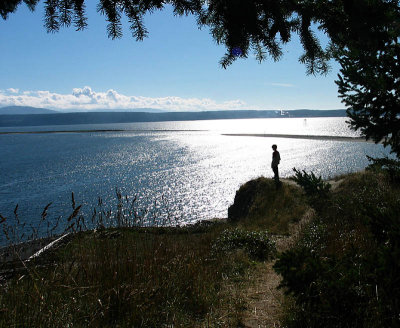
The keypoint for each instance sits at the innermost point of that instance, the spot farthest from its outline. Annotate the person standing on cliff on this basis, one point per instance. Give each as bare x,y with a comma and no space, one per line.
276,158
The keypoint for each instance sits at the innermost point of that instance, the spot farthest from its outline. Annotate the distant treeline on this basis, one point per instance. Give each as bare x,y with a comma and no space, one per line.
129,117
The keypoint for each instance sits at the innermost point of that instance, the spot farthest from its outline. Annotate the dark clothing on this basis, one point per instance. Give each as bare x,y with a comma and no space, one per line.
276,158
276,172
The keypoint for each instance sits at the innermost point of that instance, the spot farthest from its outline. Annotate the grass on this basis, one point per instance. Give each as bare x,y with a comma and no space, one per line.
259,205
343,272
120,275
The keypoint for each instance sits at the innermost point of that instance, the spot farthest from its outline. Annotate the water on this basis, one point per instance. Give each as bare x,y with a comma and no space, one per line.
193,171
310,126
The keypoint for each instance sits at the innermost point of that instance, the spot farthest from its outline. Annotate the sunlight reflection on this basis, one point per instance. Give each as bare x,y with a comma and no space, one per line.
193,174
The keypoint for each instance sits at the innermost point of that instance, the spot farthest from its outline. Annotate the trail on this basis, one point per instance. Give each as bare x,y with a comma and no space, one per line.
263,298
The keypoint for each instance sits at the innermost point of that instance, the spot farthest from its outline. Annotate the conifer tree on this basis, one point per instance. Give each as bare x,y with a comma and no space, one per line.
369,80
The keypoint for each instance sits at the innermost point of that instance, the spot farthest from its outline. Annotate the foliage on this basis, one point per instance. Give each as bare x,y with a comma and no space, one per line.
312,185
386,164
344,271
265,27
325,289
257,244
242,26
385,228
369,82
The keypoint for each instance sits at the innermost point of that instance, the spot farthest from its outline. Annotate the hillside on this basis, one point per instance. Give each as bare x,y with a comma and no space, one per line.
130,117
24,110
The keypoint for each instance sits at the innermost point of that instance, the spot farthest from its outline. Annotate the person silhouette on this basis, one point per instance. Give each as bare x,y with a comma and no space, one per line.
276,158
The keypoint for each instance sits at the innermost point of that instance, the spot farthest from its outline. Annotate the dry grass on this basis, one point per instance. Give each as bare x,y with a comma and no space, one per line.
145,277
265,303
273,209
122,278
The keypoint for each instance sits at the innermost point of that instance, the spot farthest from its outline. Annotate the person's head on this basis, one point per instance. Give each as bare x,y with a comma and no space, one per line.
274,147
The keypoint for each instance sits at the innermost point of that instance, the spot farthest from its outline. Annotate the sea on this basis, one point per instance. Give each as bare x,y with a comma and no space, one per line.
181,172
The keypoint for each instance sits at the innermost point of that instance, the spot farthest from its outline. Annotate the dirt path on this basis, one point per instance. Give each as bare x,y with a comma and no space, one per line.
263,298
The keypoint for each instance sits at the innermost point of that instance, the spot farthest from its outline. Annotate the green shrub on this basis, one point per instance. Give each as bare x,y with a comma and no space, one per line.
329,291
312,185
257,244
345,270
385,230
387,165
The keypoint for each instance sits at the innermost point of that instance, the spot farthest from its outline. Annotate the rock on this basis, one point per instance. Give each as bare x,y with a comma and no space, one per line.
244,199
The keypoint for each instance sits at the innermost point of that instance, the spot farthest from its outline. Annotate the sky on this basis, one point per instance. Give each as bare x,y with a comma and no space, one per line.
175,69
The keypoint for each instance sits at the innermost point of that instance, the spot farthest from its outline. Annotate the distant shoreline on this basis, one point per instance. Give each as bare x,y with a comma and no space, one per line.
94,131
9,120
299,136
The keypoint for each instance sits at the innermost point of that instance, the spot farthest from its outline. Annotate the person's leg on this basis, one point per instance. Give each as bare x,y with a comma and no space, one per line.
276,173
276,177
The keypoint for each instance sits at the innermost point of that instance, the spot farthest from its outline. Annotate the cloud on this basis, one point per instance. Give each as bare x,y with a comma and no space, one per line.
86,99
86,91
284,85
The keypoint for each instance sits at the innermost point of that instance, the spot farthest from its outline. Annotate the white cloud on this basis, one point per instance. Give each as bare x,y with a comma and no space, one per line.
86,91
86,99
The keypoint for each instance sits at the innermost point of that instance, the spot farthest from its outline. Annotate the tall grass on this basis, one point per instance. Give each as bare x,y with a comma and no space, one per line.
126,213
123,275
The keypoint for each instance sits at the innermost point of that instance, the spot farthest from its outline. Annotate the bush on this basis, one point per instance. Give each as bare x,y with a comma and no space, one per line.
312,185
329,291
385,230
345,270
257,244
387,165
